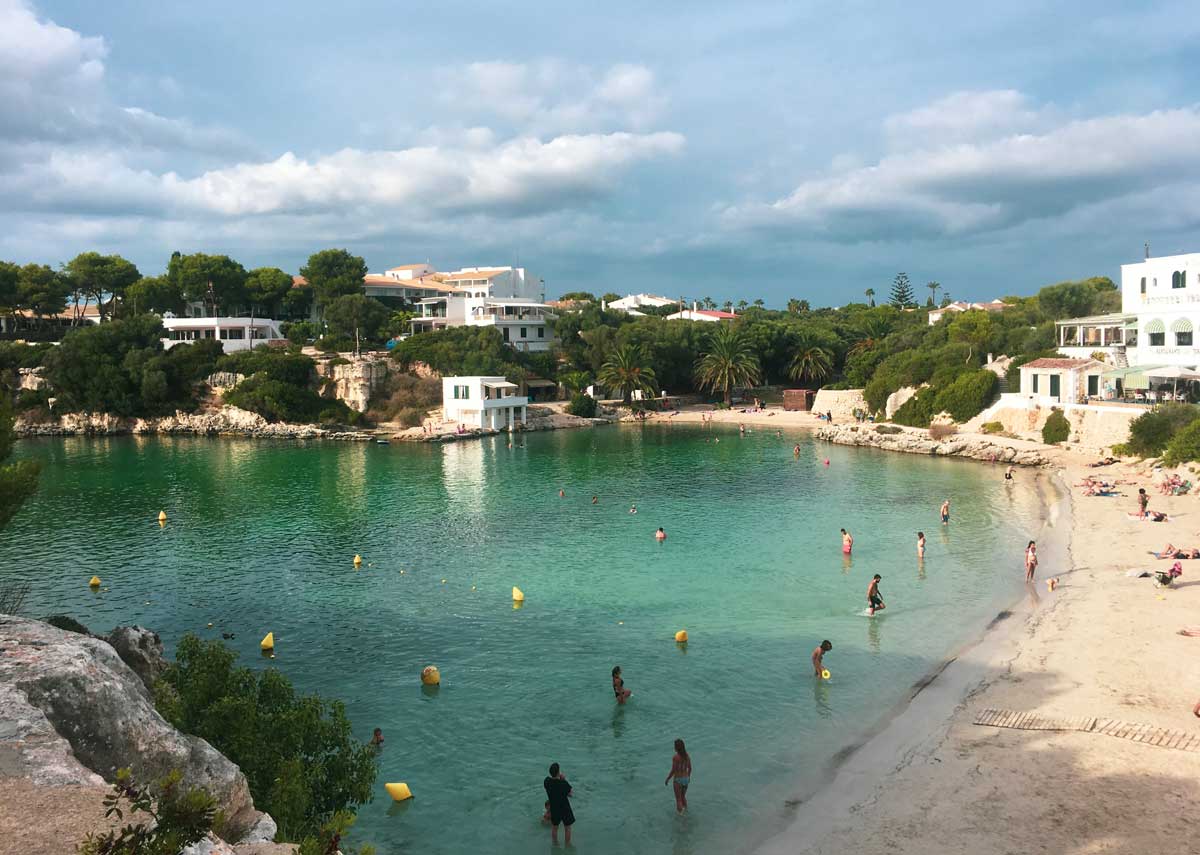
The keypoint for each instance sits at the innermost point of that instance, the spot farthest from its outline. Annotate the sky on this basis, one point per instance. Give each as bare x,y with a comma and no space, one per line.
731,150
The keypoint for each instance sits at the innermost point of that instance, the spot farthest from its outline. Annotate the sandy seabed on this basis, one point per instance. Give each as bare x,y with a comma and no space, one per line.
1102,644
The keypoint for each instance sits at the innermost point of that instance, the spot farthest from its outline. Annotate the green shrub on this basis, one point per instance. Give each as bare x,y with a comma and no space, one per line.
582,405
175,818
277,401
967,395
300,760
1184,446
1150,432
301,332
992,427
1056,429
918,410
295,369
888,429
15,355
33,399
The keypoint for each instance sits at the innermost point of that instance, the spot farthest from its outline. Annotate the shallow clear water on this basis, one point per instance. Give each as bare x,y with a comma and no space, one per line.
261,536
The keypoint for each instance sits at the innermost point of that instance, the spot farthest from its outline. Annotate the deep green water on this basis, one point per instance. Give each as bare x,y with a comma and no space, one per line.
261,537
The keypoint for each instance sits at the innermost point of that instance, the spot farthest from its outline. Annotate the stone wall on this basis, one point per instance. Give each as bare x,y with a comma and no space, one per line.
1093,427
913,441
841,402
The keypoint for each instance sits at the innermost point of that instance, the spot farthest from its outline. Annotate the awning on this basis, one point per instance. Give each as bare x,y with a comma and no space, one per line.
1122,373
540,384
499,384
1156,326
1181,325
1173,372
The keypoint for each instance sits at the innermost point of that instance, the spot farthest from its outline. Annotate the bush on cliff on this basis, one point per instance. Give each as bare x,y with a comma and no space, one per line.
967,395
582,405
296,751
403,397
918,410
1184,446
175,818
1056,429
1150,432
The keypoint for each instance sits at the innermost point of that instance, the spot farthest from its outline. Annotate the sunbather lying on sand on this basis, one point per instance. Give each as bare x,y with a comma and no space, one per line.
1108,461
1170,551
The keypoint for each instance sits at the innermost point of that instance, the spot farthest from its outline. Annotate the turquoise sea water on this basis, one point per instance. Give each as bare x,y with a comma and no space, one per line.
261,537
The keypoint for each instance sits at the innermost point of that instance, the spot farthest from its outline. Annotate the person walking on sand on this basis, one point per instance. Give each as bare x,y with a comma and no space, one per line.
1030,560
1143,502
619,686
945,512
681,773
558,794
921,544
818,656
847,542
874,600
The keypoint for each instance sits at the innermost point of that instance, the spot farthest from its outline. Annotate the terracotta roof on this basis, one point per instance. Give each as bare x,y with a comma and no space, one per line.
485,273
406,267
713,313
299,282
1052,363
427,282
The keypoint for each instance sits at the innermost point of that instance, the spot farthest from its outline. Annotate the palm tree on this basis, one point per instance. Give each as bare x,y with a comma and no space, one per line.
870,292
810,362
742,304
759,303
730,362
934,287
872,331
708,303
627,370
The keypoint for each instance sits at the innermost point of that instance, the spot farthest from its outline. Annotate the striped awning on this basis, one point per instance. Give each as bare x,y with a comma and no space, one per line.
1181,325
1156,326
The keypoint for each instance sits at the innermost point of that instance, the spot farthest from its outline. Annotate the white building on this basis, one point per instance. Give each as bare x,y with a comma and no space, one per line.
956,307
633,302
233,333
1062,381
503,297
707,315
1160,313
487,403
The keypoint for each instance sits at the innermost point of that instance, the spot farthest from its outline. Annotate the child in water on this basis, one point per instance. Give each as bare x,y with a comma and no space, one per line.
818,656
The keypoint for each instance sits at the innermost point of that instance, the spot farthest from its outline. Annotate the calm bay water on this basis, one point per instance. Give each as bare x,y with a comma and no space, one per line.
261,536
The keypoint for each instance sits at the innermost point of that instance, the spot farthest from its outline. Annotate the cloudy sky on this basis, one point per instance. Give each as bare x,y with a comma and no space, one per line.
734,150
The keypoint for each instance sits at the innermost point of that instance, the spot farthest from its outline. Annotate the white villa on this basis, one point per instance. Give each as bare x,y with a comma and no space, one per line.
706,315
233,333
1062,381
633,302
504,297
1160,313
487,403
956,307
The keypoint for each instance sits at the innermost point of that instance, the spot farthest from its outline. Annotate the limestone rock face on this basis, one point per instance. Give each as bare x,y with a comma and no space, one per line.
140,649
919,442
228,421
70,710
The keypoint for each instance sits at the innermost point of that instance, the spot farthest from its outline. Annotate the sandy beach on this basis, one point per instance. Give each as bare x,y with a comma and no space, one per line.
1101,645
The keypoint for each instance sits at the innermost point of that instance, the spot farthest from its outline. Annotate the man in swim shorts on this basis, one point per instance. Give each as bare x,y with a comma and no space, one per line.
818,656
874,600
558,794
945,512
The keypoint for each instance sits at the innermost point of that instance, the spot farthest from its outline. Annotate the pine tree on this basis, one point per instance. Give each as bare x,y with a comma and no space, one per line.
902,292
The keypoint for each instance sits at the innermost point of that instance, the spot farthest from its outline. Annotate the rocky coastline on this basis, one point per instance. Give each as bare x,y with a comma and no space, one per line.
227,421
913,441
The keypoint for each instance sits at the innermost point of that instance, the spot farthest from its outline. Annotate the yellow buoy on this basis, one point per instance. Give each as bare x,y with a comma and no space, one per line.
268,642
94,582
825,674
681,636
210,626
518,595
443,581
398,791
162,516
357,560
430,676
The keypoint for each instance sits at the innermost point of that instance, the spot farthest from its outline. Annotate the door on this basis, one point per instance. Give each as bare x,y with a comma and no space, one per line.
1054,385
1093,385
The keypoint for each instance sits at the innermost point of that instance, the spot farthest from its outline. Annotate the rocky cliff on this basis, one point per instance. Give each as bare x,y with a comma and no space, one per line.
228,421
72,713
912,441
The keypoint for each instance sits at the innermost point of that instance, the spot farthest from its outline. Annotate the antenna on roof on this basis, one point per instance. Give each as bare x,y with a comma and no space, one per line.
1147,245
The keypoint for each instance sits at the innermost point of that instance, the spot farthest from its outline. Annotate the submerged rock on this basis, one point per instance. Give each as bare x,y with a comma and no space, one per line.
72,710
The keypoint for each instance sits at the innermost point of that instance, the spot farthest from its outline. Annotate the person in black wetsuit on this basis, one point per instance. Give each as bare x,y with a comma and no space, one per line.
558,795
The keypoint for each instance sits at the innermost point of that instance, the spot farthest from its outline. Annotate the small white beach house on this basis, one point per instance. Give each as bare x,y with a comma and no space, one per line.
1059,381
486,403
233,333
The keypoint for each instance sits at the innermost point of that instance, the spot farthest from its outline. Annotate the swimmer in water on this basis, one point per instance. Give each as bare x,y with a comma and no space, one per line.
376,739
595,500
818,657
633,509
1008,474
562,494
660,534
796,451
619,686
847,542
874,600
920,544
945,512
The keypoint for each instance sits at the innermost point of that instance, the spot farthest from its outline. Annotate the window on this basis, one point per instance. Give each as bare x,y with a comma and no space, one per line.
1158,339
1055,382
233,333
1183,339
1143,284
524,332
506,333
1035,383
541,332
462,393
1178,279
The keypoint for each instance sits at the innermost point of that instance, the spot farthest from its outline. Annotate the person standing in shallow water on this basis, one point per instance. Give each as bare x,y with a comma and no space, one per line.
681,773
920,544
619,686
558,794
847,542
1031,560
874,600
945,512
818,656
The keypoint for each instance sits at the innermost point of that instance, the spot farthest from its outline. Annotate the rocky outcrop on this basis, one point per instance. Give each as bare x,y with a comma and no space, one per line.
228,421
141,650
355,378
898,399
911,441
30,378
72,712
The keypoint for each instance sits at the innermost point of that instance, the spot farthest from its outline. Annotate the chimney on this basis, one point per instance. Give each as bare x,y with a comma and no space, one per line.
695,306
1147,249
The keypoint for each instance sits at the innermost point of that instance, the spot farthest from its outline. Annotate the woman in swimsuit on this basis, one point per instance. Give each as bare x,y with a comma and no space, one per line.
681,772
619,686
920,544
847,542
1030,560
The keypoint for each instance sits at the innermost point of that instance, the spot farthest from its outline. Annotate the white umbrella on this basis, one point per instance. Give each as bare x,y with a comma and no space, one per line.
1174,373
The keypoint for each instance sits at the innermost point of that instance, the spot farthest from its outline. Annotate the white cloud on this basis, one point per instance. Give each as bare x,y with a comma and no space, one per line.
966,117
994,176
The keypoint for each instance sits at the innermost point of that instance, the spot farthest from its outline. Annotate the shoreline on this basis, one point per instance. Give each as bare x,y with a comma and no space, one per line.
928,780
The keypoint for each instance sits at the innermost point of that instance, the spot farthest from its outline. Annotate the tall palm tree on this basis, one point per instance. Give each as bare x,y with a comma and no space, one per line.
870,292
810,362
729,362
871,332
934,287
627,370
708,303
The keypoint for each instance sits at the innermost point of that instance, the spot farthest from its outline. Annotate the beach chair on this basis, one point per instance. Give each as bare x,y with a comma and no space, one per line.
1181,489
1164,578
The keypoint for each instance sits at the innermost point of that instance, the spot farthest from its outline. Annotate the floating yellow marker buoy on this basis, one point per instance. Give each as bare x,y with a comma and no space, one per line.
825,674
401,572
268,642
398,791
472,587
518,595
210,626
681,636
620,623
443,581
162,516
518,604
357,560
430,675
94,582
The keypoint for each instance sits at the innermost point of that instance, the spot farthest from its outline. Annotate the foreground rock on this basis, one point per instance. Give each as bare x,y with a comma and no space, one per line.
73,713
913,441
227,421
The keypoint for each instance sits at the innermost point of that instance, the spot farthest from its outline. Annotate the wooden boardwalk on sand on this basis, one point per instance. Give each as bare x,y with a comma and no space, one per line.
1159,736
